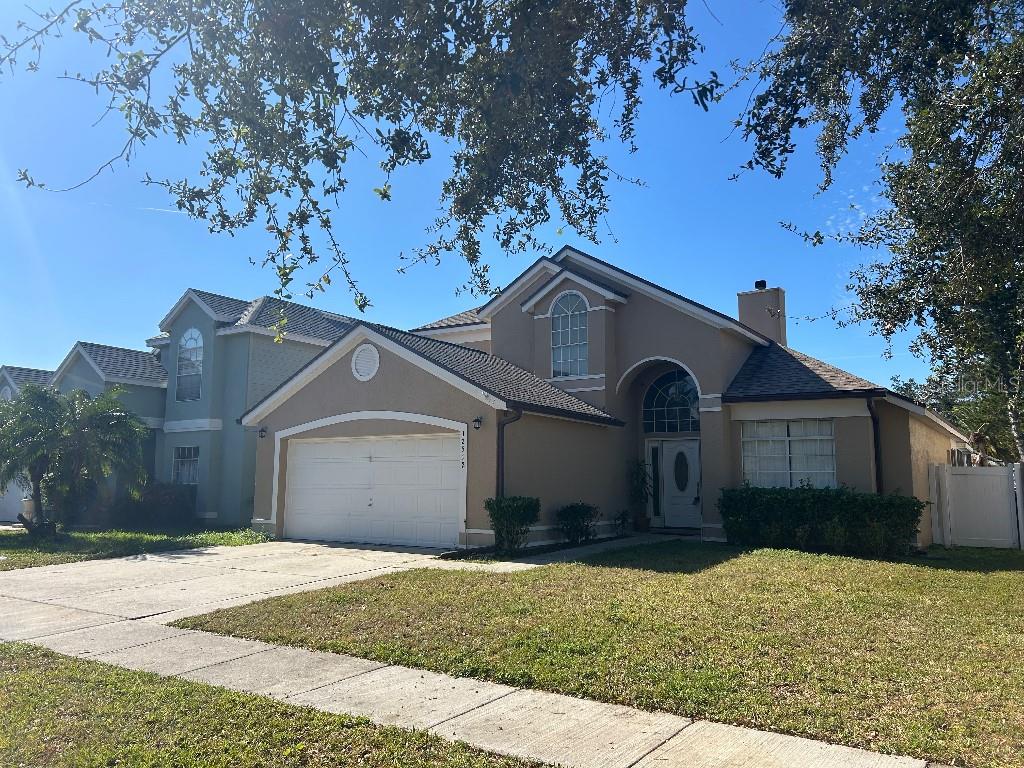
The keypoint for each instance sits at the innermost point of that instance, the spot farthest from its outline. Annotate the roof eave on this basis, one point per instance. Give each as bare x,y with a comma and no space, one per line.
841,394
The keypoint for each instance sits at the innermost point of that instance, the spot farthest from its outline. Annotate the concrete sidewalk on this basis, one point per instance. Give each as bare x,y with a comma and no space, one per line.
540,726
116,611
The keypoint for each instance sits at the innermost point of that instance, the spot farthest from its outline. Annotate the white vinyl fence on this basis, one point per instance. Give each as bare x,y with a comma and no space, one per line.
977,506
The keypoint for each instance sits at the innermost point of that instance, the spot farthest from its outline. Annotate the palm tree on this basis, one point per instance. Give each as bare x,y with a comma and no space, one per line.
68,444
100,439
30,434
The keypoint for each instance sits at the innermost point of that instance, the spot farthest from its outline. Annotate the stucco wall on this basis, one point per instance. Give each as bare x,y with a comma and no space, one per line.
561,462
398,386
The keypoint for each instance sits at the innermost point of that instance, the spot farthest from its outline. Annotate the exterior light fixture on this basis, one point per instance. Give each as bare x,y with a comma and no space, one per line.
263,432
478,422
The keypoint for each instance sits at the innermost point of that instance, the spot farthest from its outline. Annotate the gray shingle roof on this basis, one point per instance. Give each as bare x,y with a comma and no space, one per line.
121,363
515,385
222,305
468,317
780,373
265,312
22,376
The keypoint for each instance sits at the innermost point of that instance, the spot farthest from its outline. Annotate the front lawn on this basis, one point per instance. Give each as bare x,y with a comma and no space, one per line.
59,711
18,550
924,657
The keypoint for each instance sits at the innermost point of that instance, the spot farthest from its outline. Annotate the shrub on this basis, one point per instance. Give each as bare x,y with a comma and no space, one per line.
511,518
837,520
162,505
576,521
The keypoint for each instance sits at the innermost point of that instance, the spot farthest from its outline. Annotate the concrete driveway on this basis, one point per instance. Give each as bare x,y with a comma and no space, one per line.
166,586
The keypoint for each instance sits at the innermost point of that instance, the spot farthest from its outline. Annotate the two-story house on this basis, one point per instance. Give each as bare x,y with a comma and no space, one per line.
572,377
214,358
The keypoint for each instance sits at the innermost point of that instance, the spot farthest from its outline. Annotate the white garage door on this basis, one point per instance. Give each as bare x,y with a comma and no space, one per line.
381,490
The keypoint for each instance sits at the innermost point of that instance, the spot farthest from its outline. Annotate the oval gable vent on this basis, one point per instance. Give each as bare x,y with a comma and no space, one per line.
365,362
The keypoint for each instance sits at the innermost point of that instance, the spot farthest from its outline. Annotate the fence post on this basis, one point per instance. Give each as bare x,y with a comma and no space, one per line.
1018,477
946,504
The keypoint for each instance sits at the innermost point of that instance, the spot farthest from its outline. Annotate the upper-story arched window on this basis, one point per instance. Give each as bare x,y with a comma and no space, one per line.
569,336
189,384
671,404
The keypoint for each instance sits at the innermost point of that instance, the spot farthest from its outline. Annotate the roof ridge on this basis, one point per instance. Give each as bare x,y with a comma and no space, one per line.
119,349
252,309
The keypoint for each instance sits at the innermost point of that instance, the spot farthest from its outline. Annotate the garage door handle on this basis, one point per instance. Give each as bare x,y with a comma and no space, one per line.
371,502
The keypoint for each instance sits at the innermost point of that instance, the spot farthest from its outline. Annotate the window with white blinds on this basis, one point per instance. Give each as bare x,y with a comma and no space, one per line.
786,453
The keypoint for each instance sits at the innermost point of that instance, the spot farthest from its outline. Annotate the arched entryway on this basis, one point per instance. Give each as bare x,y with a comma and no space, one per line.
667,402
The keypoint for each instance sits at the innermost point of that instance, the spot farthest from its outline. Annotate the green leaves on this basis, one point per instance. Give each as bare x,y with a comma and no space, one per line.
281,92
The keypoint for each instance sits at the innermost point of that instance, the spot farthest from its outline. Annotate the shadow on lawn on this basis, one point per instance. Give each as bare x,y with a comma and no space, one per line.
694,557
668,557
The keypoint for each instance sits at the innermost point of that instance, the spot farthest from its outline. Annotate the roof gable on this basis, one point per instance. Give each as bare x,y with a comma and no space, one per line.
222,309
567,274
116,365
677,301
492,380
540,266
19,377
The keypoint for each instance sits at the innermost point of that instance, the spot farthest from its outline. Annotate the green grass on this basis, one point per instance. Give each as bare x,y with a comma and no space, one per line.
18,550
923,657
59,711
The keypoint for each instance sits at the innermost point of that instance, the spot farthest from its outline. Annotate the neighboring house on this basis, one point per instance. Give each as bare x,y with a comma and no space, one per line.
12,379
214,358
221,358
554,388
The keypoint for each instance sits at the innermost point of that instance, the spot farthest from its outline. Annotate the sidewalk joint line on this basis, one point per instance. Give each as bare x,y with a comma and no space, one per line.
663,742
439,723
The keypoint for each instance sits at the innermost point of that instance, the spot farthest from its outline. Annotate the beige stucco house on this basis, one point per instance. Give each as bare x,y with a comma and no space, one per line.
554,388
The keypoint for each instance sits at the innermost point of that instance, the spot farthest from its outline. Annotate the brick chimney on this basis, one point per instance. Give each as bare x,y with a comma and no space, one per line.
764,310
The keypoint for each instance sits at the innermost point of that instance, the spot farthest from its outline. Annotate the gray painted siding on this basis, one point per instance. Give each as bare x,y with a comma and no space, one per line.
81,375
144,401
270,364
237,442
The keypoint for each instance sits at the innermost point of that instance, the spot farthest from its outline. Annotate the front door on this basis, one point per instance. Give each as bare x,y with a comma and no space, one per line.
675,475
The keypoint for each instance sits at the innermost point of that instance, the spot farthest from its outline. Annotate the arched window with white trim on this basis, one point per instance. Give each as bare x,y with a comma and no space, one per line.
569,336
189,384
671,404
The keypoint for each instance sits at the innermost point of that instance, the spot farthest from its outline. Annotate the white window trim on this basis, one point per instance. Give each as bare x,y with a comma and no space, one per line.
789,451
175,460
660,359
417,418
551,347
193,425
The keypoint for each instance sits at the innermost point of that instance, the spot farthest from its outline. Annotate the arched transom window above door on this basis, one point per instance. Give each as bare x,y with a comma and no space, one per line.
671,404
569,336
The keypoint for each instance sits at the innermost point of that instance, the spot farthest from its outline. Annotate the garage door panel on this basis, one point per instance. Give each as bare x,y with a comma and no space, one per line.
388,490
329,475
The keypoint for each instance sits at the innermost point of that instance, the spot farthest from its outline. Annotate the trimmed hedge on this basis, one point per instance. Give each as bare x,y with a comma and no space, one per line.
511,518
837,520
161,505
576,521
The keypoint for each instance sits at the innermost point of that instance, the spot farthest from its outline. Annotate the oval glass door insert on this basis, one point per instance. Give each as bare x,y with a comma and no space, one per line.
682,471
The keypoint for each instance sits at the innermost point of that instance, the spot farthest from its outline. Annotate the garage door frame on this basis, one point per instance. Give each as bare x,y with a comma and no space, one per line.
417,418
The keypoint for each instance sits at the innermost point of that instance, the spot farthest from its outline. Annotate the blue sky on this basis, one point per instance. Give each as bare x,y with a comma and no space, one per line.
105,262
